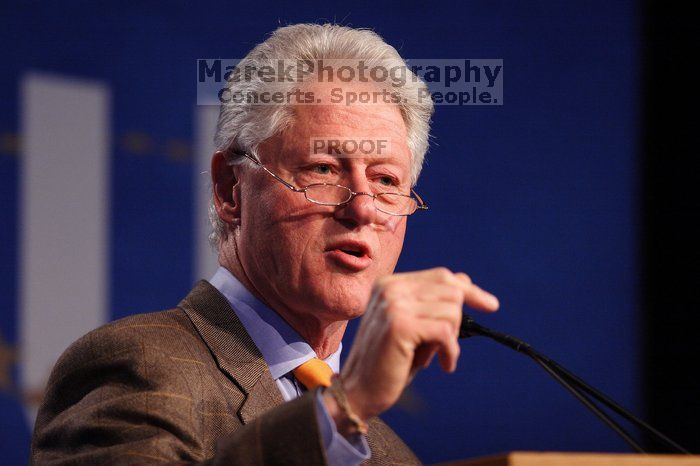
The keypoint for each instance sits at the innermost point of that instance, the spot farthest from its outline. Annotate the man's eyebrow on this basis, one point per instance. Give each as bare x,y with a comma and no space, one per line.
398,168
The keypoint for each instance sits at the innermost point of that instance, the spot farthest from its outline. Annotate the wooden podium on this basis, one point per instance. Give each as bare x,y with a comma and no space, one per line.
579,459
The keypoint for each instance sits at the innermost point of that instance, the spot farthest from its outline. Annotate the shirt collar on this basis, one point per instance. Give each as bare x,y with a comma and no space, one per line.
281,346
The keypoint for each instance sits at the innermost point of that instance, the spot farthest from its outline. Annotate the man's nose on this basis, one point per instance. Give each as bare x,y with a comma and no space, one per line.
360,210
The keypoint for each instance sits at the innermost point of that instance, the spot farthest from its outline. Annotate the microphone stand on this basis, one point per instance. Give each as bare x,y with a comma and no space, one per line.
574,384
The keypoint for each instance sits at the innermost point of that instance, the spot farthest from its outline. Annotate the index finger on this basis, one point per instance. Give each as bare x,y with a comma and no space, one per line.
474,296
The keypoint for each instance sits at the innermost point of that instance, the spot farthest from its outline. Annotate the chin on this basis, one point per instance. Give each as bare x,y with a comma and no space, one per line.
344,299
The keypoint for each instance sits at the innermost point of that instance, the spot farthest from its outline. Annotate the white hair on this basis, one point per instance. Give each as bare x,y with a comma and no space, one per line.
243,126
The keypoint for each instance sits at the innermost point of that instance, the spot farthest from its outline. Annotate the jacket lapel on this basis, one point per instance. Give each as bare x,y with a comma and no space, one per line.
234,351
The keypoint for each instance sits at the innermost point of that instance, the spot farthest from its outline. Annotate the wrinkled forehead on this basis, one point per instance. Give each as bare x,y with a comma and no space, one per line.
339,118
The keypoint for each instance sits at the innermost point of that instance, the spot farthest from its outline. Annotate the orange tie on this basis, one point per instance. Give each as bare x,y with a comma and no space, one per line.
314,373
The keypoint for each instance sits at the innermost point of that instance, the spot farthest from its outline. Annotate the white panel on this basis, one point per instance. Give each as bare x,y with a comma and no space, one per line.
206,260
64,219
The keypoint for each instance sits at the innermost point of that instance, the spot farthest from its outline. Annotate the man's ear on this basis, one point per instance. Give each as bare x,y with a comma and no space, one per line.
225,190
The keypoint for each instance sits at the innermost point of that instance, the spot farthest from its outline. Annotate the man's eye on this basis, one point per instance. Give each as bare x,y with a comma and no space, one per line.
322,169
388,181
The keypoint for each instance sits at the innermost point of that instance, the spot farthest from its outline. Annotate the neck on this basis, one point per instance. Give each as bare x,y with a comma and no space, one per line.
324,337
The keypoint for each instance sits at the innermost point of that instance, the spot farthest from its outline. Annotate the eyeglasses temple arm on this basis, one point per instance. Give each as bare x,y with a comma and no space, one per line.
421,203
256,162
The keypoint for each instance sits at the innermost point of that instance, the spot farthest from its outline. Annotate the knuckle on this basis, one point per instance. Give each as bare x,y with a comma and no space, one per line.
380,283
443,274
466,278
395,309
388,292
382,286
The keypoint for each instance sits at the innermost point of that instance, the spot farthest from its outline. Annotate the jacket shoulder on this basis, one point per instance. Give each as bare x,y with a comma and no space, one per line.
169,329
138,351
138,383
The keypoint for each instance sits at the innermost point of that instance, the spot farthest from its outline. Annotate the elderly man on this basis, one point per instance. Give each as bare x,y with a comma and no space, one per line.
245,369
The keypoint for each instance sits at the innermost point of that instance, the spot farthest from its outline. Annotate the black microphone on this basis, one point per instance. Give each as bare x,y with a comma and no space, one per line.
574,384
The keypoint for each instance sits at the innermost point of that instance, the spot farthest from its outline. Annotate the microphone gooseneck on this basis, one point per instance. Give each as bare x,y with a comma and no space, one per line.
572,383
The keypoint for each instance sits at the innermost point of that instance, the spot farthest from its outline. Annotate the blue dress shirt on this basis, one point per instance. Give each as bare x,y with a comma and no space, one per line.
284,350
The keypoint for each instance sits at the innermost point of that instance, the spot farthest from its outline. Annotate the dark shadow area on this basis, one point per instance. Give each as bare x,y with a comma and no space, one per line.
670,235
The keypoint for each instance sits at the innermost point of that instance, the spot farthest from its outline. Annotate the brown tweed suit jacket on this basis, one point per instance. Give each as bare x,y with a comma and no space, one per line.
186,385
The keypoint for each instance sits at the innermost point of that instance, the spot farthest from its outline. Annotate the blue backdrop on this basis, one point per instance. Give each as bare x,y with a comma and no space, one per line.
535,199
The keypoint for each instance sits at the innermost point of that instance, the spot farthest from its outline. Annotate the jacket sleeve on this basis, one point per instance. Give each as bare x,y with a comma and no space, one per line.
113,399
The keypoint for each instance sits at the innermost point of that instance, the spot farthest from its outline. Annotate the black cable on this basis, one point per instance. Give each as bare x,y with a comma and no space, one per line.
470,328
591,406
607,401
526,349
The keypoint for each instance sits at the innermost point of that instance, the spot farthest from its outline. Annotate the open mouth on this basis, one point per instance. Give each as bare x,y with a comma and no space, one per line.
351,247
350,254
